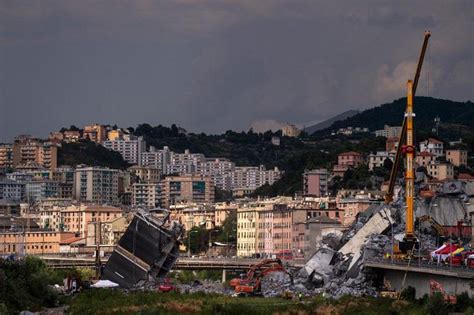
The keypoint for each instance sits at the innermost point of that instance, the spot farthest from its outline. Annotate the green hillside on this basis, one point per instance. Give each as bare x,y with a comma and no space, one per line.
426,109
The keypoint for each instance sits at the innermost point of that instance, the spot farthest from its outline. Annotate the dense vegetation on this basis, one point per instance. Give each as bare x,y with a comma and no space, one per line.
426,109
118,302
89,153
25,285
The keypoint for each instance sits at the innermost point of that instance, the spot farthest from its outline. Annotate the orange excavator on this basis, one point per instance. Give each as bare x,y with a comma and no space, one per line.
250,283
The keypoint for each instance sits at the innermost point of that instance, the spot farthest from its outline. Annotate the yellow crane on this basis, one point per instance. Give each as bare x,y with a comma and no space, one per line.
410,241
396,164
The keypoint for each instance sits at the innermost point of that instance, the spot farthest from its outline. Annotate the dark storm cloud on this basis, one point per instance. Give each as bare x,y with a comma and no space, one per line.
216,65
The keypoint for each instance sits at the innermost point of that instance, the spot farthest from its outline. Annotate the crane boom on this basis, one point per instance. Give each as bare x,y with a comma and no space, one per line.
396,163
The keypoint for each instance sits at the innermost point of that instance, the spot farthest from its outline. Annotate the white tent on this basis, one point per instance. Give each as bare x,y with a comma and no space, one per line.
104,284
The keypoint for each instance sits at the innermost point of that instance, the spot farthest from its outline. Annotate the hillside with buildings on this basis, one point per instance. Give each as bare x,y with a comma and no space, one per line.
426,108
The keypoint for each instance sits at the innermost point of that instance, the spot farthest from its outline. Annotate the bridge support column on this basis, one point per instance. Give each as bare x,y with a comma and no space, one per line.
224,275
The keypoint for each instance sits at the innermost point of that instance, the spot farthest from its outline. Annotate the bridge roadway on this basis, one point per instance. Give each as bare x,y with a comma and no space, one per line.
421,267
183,263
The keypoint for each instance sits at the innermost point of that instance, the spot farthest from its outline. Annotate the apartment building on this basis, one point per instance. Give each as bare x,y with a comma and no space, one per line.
264,228
30,150
456,157
391,144
194,214
6,156
156,158
315,182
95,132
71,136
252,177
131,148
389,132
96,184
146,174
146,195
247,217
425,158
350,159
13,190
115,134
190,188
75,218
56,136
32,242
432,146
378,159
223,210
354,204
290,130
219,170
440,170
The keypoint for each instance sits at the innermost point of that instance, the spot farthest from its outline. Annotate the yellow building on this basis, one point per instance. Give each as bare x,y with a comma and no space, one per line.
33,151
456,157
192,214
6,156
95,132
32,243
114,134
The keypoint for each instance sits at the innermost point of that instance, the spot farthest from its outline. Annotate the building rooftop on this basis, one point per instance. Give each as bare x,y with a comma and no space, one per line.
322,219
350,153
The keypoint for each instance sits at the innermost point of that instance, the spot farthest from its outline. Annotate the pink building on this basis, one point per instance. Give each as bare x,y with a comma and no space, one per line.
351,158
353,206
425,158
282,229
315,182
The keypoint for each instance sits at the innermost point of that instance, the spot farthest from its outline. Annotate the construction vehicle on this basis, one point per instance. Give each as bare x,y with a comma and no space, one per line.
388,291
410,242
437,287
437,228
250,283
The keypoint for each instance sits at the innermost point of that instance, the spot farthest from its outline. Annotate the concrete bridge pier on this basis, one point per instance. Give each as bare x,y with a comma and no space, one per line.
224,275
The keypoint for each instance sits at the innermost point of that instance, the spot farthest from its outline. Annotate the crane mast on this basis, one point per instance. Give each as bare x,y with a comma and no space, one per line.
396,163
409,241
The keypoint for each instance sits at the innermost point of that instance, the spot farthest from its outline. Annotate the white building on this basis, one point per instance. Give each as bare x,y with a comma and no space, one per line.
156,158
96,184
13,190
378,159
389,132
432,146
252,177
131,148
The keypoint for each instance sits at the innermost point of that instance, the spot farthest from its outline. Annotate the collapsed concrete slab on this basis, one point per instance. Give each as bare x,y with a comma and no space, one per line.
148,250
377,224
318,267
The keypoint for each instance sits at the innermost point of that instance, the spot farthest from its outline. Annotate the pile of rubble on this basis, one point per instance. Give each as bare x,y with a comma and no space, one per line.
206,286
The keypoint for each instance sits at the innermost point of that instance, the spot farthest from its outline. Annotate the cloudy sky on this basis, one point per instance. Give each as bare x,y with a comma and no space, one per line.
223,64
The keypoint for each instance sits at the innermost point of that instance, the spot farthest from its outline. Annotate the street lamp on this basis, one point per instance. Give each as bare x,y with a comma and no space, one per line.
189,242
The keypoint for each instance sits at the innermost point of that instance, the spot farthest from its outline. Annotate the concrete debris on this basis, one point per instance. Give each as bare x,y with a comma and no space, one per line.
276,283
206,286
446,210
147,250
377,224
332,241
